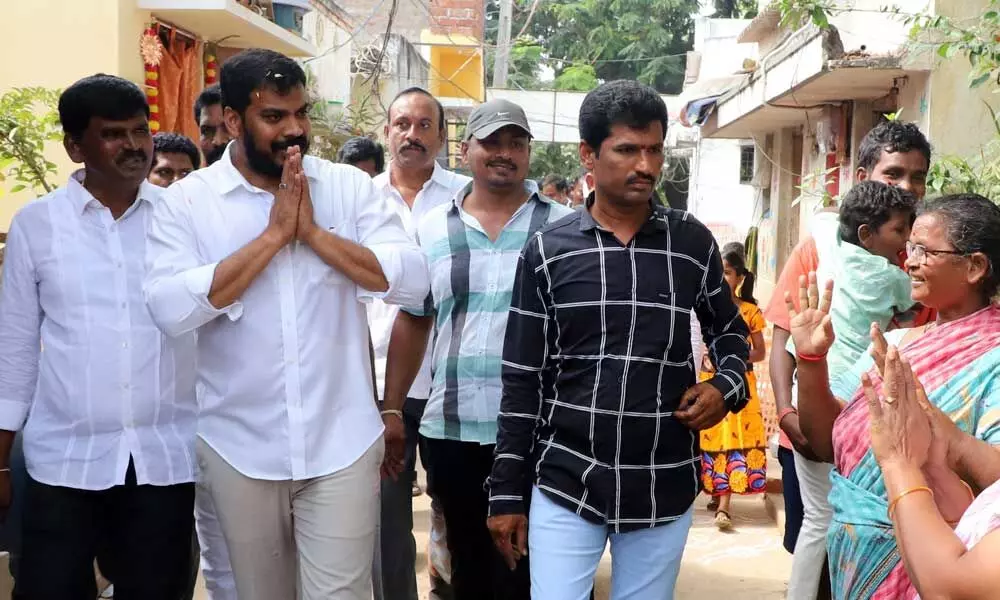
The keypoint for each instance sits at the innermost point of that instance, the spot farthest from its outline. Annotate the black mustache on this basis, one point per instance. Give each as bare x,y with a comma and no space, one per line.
502,163
280,145
413,146
129,154
638,178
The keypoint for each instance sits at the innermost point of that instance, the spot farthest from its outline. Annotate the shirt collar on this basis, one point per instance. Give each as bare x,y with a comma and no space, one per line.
657,217
227,177
529,186
439,176
82,199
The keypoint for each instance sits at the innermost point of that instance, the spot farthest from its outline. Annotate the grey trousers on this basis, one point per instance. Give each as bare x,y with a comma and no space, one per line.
306,540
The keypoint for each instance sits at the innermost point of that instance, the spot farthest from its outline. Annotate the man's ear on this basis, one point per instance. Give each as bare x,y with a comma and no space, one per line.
233,122
73,149
464,150
587,156
861,174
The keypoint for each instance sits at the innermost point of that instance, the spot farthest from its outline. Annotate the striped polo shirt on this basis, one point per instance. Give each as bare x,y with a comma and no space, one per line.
471,282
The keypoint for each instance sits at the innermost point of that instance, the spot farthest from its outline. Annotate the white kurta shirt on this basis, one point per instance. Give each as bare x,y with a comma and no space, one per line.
84,369
438,190
284,376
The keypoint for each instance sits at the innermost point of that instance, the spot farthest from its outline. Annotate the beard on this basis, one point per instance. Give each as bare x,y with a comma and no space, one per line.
265,163
215,154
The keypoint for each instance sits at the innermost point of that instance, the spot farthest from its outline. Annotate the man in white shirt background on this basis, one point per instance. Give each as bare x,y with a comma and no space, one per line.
413,185
270,255
108,409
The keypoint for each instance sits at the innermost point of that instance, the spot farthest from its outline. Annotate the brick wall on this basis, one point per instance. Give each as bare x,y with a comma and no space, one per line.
458,17
412,17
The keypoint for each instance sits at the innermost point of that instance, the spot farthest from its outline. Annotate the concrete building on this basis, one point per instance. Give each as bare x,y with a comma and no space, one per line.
810,95
721,190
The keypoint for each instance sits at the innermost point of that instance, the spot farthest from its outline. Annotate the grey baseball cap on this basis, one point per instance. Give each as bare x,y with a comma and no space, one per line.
493,115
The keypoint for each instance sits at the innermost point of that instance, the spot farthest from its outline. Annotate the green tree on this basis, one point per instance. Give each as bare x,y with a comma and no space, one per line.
28,119
553,158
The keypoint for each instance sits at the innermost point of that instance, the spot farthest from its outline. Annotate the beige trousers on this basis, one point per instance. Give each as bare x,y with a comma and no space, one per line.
306,540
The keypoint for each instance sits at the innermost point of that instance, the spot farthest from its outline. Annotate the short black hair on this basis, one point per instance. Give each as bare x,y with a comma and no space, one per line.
253,70
359,149
209,96
166,142
621,102
100,95
557,180
891,136
973,225
872,203
419,90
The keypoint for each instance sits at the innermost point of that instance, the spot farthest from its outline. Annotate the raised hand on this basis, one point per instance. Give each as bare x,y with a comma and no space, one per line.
812,328
284,217
898,425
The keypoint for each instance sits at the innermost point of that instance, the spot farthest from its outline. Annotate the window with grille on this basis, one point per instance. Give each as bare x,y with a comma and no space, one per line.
746,163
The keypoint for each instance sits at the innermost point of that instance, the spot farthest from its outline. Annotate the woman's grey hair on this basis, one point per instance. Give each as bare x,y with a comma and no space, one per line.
973,226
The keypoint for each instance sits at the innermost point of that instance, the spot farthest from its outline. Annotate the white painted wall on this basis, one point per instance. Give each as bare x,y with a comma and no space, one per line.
716,195
332,66
554,116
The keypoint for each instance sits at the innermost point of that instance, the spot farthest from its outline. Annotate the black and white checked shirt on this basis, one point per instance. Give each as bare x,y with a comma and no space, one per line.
596,358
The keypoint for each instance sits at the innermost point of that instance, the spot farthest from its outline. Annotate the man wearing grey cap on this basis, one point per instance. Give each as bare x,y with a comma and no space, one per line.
472,246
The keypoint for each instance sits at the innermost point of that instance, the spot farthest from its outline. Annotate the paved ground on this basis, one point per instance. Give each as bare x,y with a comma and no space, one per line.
747,563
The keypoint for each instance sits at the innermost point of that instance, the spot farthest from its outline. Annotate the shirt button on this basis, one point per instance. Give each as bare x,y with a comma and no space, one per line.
125,386
124,344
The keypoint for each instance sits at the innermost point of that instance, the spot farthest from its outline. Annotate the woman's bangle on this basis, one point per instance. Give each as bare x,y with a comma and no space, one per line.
397,413
785,412
892,505
811,357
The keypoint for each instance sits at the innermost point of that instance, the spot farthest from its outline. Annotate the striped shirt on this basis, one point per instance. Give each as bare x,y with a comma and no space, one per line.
597,356
471,281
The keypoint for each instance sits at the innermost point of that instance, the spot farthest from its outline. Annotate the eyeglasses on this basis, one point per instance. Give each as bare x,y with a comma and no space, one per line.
919,253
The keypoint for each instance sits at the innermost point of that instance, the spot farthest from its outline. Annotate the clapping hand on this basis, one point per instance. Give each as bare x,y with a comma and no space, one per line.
898,424
811,325
284,219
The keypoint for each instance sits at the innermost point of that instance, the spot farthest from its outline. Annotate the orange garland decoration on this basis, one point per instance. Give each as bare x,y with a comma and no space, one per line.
211,67
151,50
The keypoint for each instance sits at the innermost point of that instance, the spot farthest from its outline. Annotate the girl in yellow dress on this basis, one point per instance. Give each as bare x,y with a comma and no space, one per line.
733,452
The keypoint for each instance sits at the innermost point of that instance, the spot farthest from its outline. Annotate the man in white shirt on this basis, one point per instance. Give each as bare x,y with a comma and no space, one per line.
209,554
270,255
414,184
106,402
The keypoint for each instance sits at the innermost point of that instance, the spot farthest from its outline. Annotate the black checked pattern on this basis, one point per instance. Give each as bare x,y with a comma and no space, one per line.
596,358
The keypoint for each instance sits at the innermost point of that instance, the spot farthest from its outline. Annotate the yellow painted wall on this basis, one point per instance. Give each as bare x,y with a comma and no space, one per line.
52,43
457,70
958,120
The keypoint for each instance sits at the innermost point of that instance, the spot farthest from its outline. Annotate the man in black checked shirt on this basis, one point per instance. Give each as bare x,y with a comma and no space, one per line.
601,409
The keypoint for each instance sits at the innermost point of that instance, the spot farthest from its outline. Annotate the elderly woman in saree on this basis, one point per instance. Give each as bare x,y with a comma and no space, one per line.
953,261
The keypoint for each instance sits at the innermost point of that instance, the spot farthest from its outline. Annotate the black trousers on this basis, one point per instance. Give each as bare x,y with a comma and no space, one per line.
793,498
456,473
143,533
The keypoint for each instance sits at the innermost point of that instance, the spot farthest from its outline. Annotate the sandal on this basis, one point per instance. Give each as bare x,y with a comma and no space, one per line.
713,504
722,521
